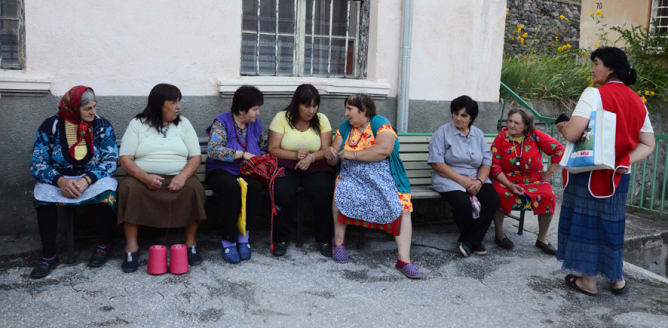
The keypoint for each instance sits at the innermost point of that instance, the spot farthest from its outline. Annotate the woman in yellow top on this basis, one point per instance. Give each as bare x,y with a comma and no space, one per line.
299,137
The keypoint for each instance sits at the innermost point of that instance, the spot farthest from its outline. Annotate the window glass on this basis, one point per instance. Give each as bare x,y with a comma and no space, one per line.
9,43
311,48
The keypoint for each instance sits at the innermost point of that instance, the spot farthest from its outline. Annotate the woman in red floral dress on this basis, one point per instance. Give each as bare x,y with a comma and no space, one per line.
517,170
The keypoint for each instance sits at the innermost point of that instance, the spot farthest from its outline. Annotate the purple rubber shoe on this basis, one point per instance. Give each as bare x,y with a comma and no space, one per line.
409,270
339,254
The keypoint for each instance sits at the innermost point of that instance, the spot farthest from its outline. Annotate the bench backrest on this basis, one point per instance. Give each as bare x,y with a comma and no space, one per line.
414,152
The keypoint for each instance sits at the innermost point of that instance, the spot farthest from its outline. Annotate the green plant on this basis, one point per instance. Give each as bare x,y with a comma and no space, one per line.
648,54
558,73
559,77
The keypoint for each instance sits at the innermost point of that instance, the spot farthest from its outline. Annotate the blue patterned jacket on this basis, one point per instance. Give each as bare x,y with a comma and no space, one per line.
51,158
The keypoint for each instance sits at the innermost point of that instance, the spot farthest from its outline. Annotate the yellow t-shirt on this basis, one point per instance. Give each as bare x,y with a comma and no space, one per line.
293,139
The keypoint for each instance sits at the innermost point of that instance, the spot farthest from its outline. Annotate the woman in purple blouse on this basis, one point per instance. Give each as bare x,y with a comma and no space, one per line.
235,136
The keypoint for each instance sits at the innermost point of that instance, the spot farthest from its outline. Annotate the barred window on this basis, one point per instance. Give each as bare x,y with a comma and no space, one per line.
323,38
12,34
660,15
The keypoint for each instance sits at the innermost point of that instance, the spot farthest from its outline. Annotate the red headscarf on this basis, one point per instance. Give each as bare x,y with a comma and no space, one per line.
68,109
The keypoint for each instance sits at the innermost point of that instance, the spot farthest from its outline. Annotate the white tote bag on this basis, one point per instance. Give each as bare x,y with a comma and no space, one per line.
596,151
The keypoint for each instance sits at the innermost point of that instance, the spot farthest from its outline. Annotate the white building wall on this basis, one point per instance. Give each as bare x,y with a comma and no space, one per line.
385,43
125,48
457,49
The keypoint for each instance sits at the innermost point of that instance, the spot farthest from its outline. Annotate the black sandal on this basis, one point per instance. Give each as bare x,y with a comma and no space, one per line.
571,282
620,291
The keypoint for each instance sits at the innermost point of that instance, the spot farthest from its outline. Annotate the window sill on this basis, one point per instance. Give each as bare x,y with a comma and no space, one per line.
19,83
285,86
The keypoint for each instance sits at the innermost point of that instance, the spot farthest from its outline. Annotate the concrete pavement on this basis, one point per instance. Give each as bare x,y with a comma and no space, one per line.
518,288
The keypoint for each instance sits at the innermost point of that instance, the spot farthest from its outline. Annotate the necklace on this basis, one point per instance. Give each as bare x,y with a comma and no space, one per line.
236,135
350,139
518,157
164,130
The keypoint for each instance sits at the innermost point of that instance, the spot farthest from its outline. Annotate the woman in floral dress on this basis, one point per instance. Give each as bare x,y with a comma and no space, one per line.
517,170
372,189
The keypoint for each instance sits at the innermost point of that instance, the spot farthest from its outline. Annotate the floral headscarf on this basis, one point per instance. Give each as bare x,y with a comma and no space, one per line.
68,109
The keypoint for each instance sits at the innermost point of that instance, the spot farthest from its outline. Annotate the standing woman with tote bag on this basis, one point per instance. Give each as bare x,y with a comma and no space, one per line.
591,225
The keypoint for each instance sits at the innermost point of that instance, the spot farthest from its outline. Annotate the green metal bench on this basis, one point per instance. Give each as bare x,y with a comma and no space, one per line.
414,152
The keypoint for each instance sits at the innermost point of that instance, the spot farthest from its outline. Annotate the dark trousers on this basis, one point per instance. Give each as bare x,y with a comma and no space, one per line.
470,230
318,188
47,220
228,201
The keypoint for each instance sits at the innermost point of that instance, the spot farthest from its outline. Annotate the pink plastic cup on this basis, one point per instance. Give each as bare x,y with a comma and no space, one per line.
157,259
178,259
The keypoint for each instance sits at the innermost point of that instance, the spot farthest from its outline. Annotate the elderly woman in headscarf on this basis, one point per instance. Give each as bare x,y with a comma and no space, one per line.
73,160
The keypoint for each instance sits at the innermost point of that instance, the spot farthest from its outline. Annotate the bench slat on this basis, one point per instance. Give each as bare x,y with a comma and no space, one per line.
420,181
414,148
423,192
418,173
414,139
414,157
417,166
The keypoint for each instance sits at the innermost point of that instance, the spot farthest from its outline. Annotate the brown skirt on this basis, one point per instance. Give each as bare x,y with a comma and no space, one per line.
160,208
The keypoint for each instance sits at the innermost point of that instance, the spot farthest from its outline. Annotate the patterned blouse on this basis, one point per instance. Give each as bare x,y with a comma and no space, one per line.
49,162
216,147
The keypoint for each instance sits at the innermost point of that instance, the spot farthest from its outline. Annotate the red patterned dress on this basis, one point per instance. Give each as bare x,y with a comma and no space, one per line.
520,160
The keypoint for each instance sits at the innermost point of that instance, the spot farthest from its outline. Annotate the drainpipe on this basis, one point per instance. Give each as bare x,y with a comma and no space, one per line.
405,65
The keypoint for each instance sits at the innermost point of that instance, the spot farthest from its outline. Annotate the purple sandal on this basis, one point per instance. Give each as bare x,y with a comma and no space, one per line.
409,270
339,254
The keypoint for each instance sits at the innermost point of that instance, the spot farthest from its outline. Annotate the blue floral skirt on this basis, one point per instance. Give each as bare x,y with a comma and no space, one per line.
591,230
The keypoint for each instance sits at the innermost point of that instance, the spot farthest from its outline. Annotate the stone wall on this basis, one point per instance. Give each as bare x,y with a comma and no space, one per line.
542,22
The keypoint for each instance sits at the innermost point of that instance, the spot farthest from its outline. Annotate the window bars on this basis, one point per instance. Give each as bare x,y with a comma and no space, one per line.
300,38
12,34
660,15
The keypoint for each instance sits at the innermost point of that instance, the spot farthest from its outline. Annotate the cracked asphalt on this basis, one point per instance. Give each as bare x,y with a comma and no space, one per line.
518,288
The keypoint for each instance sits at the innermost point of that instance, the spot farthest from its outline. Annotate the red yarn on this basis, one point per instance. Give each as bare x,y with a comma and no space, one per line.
265,168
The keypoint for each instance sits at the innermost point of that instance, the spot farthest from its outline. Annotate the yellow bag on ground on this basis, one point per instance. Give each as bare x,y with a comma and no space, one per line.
241,222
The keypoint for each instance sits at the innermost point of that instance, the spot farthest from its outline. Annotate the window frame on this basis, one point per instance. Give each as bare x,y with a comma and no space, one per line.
656,5
20,18
300,34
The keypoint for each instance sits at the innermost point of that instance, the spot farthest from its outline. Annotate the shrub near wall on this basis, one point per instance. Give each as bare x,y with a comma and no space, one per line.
538,22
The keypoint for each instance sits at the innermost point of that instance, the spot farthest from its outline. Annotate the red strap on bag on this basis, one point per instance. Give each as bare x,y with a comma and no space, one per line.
265,168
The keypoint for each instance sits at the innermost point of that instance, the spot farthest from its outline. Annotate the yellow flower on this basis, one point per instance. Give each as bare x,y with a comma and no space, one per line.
522,40
525,34
586,54
568,45
591,82
591,13
556,38
646,92
507,11
639,92
595,45
566,19
561,17
643,99
511,37
652,93
599,12
519,28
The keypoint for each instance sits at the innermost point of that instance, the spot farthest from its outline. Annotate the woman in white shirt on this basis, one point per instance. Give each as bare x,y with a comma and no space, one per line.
160,152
